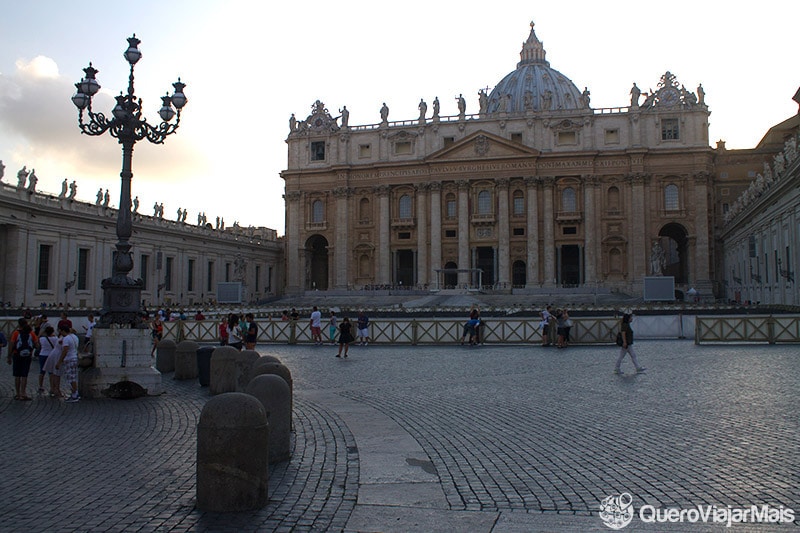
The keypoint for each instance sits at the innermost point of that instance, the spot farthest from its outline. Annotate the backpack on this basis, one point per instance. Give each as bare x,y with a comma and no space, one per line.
24,345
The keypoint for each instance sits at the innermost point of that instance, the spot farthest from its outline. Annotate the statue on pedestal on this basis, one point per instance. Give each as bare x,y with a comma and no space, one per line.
657,259
22,177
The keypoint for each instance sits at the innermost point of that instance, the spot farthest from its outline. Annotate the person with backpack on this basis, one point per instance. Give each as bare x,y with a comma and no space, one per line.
20,355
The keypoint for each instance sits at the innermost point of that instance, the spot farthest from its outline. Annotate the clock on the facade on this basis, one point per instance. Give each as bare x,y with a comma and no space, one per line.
668,96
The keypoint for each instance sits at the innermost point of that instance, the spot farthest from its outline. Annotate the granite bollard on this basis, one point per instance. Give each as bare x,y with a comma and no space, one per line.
186,360
165,355
281,370
223,370
273,393
232,454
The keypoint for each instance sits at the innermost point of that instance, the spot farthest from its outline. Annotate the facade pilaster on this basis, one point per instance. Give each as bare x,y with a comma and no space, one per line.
384,223
549,233
294,226
341,247
701,255
503,252
637,229
436,230
422,234
463,231
590,229
532,231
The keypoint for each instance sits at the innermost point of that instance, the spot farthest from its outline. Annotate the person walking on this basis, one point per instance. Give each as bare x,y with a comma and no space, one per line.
68,361
20,355
332,328
625,342
251,337
316,326
362,324
345,336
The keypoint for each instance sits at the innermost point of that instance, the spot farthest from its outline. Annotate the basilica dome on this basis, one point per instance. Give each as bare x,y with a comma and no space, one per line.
534,86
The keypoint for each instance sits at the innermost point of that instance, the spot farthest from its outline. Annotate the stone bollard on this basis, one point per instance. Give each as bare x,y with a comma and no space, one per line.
244,366
263,360
273,393
232,454
281,370
165,356
223,370
186,360
204,365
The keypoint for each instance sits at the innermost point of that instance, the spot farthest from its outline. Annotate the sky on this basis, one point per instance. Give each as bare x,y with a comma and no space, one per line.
248,65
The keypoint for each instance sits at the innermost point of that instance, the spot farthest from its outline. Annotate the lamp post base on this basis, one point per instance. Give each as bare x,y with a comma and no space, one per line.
122,298
122,355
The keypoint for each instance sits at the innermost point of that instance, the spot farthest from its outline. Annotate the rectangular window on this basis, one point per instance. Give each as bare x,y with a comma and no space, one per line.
725,208
318,151
777,268
752,246
669,129
518,232
402,148
450,233
451,209
210,277
144,261
45,250
258,278
404,235
364,151
612,136
567,138
168,274
449,141
83,269
570,230
190,276
766,268
516,137
519,205
227,272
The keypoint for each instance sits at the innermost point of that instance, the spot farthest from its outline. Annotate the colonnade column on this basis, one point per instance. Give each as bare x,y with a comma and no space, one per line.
341,247
422,234
463,231
701,252
549,233
436,231
384,223
503,252
294,225
638,248
532,231
590,230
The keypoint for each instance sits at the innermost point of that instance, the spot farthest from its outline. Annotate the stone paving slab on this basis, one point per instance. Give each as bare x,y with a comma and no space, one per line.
494,439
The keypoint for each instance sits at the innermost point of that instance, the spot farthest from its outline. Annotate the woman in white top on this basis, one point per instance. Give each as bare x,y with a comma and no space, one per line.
48,345
234,333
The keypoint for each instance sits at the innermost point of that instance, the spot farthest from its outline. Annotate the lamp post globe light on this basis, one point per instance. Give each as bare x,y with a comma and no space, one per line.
121,293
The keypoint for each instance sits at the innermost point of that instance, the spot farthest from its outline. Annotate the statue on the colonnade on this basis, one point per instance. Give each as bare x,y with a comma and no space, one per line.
34,179
22,177
635,94
2,170
73,190
384,113
63,193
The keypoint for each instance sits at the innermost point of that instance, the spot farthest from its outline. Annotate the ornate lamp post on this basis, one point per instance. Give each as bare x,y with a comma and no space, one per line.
122,294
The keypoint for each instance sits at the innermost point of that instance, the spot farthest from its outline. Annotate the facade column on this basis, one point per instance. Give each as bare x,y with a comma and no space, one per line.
294,226
384,223
532,230
436,231
503,247
463,231
638,248
549,232
590,230
341,247
702,277
422,235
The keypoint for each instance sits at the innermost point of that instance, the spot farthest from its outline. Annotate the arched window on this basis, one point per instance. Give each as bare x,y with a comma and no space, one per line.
519,203
364,211
613,199
671,197
568,200
404,206
450,205
484,203
317,212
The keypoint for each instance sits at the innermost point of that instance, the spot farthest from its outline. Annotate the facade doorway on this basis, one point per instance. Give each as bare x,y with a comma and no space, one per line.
317,263
675,241
404,268
570,265
519,277
450,278
484,260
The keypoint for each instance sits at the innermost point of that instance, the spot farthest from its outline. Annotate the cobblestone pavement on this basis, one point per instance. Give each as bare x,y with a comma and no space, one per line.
490,438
